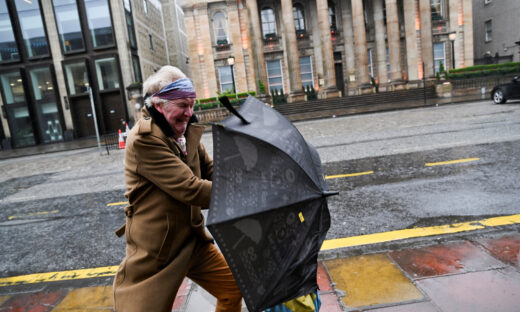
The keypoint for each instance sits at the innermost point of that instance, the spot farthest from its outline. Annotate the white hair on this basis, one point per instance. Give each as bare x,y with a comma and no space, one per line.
159,80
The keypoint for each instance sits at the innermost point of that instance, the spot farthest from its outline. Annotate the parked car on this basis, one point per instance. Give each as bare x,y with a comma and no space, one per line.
501,93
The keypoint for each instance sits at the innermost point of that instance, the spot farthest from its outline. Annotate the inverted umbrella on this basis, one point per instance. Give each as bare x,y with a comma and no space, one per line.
268,210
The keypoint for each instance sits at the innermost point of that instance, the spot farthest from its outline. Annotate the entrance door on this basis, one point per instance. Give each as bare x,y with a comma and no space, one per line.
113,111
82,117
338,68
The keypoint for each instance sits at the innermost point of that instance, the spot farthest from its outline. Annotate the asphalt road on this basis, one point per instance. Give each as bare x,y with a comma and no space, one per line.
55,213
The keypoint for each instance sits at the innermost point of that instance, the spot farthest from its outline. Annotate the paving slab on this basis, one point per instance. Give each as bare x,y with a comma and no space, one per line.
371,280
99,298
437,260
43,301
505,248
411,307
494,290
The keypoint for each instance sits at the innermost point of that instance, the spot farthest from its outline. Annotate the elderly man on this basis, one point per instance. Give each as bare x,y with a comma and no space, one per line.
168,180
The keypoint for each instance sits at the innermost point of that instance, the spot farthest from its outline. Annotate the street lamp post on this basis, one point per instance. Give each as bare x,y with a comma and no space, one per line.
452,36
231,62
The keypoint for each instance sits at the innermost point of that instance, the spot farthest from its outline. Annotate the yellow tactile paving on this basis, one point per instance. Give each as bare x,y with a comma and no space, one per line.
87,299
4,299
371,280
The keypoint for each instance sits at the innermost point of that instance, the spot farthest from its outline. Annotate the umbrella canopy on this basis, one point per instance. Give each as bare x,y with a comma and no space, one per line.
268,210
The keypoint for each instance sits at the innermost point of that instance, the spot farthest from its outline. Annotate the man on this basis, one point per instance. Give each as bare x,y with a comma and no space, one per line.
168,180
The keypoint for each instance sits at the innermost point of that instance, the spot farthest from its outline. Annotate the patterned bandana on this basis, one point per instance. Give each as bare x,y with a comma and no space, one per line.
179,89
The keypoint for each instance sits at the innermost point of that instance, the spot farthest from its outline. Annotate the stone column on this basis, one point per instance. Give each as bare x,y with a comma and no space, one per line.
468,32
411,39
329,90
257,45
291,53
380,42
426,38
360,45
348,44
394,41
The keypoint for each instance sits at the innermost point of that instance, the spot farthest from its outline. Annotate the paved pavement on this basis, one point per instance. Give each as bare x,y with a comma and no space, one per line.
480,272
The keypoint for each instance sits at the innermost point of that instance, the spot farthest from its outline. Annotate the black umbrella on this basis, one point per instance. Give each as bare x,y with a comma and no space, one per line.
269,211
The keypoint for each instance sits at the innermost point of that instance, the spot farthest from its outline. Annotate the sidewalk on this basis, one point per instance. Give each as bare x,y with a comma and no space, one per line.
477,272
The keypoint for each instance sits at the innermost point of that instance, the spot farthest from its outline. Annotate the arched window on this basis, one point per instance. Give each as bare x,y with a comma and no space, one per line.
299,20
268,23
332,16
220,28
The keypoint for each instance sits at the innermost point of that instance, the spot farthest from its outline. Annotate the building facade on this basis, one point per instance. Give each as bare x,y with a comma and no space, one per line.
337,47
496,25
53,52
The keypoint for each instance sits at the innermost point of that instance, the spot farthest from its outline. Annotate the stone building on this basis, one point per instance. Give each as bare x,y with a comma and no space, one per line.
496,25
338,47
51,52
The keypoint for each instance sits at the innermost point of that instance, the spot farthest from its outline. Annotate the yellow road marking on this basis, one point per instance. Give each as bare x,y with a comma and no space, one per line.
33,214
117,204
450,162
419,232
327,245
348,175
58,276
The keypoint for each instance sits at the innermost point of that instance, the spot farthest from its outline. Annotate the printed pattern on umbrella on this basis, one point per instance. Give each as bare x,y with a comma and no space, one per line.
268,212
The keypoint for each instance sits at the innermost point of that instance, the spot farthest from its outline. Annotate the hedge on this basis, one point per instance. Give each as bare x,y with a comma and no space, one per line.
213,102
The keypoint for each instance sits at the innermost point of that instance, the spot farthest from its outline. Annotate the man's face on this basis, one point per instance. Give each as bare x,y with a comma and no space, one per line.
177,113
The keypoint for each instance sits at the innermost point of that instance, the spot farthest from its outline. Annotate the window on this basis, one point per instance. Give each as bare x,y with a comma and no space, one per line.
299,20
332,15
306,72
488,28
77,78
8,48
226,78
107,73
437,9
370,64
220,28
388,63
137,69
16,107
487,1
99,23
130,24
31,24
268,23
145,6
45,102
69,26
150,41
274,75
438,56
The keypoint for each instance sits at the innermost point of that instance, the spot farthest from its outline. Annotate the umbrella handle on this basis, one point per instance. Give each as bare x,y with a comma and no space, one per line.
225,101
329,193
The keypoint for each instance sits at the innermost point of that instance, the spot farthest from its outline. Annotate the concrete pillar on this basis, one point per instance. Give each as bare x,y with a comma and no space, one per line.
394,41
380,42
236,39
257,44
426,38
360,43
291,53
348,44
468,33
411,39
329,90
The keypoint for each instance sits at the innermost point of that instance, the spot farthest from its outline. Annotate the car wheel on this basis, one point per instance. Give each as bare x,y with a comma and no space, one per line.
498,97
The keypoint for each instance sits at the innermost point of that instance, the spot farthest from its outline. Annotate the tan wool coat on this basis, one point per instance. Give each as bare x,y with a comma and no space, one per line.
165,191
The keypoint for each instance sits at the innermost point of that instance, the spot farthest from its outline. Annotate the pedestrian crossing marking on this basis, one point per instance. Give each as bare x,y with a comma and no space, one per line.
337,176
448,162
418,232
117,204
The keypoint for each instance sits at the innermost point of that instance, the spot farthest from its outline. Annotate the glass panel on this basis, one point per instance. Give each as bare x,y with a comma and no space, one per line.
32,28
130,23
268,22
219,27
17,111
69,27
226,78
274,75
107,73
77,78
46,107
137,69
99,23
436,9
8,48
306,71
438,55
332,15
299,23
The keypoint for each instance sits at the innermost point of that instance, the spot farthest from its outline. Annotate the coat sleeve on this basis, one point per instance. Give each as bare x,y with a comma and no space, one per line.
158,164
206,164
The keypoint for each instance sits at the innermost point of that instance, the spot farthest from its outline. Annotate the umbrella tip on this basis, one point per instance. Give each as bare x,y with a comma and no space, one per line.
330,193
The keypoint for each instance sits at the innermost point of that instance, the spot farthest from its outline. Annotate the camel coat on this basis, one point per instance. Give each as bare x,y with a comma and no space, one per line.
165,191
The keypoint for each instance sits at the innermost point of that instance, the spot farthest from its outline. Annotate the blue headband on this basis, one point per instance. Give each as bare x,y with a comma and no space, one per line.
179,89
